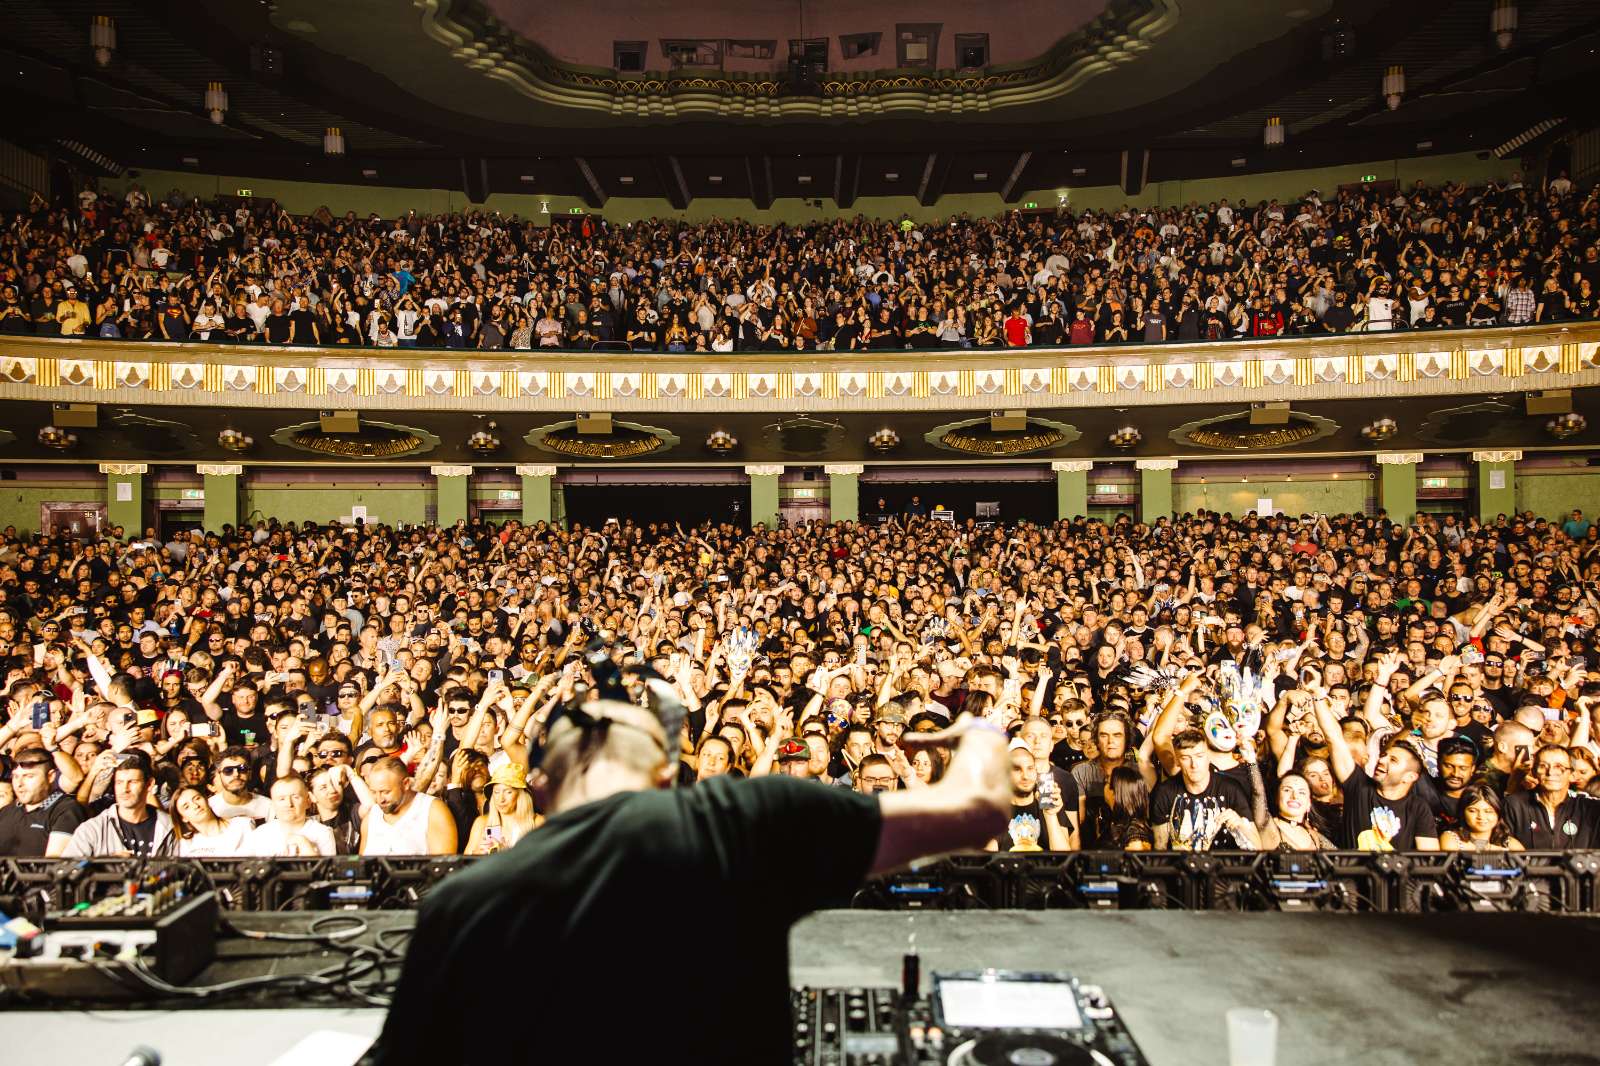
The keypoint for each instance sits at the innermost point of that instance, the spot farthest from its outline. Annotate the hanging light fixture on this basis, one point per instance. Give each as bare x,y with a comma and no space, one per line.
56,437
1503,23
721,442
1394,86
1125,437
216,101
1563,427
333,141
234,440
103,39
884,440
1380,430
485,441
1272,133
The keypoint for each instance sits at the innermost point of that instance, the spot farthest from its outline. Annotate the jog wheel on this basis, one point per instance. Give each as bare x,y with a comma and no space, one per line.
1025,1049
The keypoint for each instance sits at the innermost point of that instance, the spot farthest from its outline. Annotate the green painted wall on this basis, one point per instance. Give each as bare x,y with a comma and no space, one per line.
537,500
1155,494
222,501
1554,493
764,500
450,500
1351,495
304,197
1397,490
19,503
388,504
1493,501
1072,493
844,497
128,513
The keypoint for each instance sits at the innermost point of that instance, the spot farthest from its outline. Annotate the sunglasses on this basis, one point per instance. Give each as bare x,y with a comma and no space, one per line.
233,771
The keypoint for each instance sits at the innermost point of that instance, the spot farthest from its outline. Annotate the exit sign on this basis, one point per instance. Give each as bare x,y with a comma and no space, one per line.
508,494
1369,177
1105,490
574,210
1031,204
244,192
194,494
1435,483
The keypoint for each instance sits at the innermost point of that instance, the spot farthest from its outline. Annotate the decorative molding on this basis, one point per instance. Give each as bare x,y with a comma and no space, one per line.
1512,455
1398,458
1072,466
1156,464
536,470
486,46
219,469
764,469
124,469
448,470
844,469
394,381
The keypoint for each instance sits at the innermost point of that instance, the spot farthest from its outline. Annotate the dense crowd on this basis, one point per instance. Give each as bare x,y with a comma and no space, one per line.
1360,259
1205,682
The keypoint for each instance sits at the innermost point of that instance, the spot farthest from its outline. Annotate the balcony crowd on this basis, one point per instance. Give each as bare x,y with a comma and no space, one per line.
1364,258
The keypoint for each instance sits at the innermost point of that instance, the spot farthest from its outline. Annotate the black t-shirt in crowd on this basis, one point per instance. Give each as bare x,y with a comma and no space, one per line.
1373,823
138,838
540,947
25,833
1191,817
1026,830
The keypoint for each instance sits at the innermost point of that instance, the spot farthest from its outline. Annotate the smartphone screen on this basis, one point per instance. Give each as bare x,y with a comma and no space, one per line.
41,713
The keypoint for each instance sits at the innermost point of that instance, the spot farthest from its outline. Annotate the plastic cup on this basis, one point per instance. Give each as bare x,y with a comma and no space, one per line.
1252,1037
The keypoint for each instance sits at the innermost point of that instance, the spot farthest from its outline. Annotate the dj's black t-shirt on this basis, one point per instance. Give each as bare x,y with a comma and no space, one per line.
575,937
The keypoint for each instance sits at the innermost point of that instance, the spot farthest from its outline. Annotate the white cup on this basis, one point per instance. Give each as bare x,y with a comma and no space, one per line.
1252,1037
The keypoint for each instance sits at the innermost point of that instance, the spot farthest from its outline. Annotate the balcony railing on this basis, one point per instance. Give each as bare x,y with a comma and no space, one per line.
1351,366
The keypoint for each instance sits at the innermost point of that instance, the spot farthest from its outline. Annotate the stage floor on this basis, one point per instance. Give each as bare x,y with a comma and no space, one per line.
1378,990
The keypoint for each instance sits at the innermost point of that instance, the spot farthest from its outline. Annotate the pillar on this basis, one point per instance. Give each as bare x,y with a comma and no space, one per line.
125,496
1072,487
222,494
452,497
1497,486
844,491
1397,485
538,489
1155,488
764,493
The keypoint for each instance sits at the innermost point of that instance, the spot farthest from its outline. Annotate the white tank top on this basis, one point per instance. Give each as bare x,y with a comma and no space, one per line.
408,836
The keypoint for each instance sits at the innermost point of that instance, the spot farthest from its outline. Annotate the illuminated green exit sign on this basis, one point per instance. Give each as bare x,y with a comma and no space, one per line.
194,494
1031,204
1369,177
574,210
244,192
1435,483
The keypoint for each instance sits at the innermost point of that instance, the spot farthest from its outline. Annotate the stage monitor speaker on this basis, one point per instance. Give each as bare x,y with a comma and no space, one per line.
339,421
1270,413
598,424
1008,421
1547,402
74,415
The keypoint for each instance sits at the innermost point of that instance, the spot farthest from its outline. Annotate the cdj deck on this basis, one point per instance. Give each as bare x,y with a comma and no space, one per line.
1378,990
